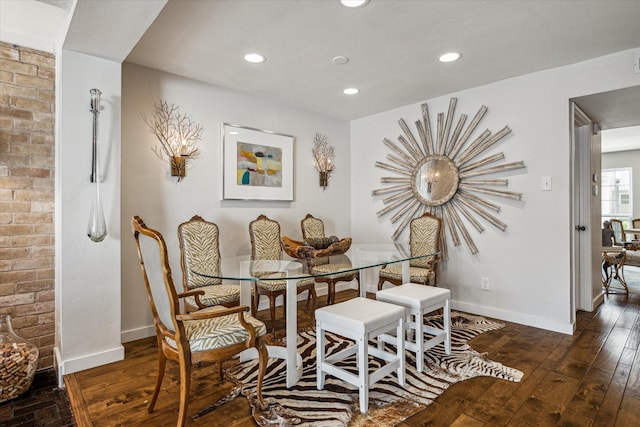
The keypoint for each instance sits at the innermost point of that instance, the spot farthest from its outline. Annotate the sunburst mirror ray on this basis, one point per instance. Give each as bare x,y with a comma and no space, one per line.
438,173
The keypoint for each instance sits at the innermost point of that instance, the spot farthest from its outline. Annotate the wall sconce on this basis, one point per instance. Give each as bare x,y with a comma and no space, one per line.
178,136
323,155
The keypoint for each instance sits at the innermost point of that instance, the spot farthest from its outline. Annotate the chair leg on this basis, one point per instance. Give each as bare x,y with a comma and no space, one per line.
162,362
185,384
255,301
314,298
380,282
272,312
331,292
263,359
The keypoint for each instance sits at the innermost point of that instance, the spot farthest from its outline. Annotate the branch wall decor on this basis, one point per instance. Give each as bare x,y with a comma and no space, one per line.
178,136
440,174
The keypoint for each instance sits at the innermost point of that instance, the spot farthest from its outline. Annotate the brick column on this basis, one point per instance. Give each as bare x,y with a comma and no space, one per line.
27,102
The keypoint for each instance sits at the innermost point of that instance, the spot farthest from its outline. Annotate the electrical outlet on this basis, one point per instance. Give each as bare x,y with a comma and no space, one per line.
484,283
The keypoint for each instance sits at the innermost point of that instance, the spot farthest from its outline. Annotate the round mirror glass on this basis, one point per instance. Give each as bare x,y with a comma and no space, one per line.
435,180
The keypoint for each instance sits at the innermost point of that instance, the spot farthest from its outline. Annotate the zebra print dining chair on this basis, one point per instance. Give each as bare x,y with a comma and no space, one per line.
314,228
424,238
266,246
212,334
200,260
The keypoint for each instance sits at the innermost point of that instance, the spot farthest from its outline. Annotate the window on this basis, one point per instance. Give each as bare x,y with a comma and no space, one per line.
616,195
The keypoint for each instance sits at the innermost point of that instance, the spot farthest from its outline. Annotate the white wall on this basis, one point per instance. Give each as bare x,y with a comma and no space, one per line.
87,273
529,264
149,191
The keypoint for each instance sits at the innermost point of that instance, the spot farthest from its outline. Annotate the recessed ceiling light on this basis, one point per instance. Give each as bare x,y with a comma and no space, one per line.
449,57
350,91
254,58
340,60
354,3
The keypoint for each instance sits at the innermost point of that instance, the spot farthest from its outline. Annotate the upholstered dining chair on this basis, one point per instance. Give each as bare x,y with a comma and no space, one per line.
619,236
199,260
314,228
265,245
424,238
212,334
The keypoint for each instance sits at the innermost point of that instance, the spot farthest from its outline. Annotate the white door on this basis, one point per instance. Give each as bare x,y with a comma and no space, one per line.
586,235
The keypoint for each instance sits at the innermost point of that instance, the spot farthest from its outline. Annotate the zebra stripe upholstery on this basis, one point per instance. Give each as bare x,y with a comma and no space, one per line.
424,238
200,259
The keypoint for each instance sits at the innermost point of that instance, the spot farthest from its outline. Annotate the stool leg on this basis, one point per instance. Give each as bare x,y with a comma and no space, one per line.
319,356
447,327
400,349
419,319
363,373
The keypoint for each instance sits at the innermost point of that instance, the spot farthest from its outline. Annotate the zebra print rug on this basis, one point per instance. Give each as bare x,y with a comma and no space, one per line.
389,403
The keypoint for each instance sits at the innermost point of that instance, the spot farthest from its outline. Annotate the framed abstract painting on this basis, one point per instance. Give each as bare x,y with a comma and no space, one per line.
256,164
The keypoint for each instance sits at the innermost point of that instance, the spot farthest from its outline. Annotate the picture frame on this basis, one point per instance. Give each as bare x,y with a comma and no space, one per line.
256,164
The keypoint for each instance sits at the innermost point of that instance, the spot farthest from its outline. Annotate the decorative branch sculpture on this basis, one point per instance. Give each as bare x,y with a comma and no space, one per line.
178,136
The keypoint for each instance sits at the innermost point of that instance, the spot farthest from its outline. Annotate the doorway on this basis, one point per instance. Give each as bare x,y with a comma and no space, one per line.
609,110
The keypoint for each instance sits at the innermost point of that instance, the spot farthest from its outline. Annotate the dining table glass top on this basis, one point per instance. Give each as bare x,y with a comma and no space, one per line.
358,257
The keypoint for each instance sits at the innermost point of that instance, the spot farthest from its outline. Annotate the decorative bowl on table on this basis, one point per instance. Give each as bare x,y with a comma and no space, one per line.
315,247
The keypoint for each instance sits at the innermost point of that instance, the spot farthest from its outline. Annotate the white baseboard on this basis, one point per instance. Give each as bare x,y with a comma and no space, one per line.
91,360
599,299
511,316
137,334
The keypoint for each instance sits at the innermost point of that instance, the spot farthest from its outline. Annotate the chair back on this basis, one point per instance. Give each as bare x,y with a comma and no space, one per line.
635,223
618,232
265,239
156,272
311,227
424,238
199,252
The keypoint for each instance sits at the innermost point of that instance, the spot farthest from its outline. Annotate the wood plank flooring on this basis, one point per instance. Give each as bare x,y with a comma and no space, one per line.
591,378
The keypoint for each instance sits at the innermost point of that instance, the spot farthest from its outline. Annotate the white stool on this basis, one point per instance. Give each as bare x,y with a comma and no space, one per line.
418,301
360,319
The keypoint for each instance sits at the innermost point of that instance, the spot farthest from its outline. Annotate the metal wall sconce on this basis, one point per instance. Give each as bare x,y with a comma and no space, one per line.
178,136
323,155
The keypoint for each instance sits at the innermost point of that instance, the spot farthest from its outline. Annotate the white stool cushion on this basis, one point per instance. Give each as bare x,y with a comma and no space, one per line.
413,295
360,315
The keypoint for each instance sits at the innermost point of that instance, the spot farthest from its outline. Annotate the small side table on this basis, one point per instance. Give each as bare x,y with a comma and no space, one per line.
613,260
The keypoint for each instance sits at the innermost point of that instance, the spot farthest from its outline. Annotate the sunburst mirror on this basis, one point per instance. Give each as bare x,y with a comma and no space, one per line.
440,176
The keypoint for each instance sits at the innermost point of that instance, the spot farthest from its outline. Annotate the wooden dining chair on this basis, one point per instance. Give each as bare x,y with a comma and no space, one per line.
200,263
213,334
424,238
619,236
265,245
332,267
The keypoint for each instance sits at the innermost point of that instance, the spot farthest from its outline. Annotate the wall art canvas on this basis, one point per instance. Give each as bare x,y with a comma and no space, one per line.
257,164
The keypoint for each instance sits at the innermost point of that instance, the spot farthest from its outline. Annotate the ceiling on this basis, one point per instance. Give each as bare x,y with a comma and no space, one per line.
392,46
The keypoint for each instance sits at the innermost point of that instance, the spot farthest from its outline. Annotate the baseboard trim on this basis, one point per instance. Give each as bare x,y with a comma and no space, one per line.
510,316
137,334
89,361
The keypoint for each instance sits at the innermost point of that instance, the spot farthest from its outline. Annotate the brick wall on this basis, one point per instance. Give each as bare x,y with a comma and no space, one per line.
27,102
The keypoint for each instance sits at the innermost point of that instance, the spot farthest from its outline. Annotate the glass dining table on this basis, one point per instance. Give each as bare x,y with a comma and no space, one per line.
245,271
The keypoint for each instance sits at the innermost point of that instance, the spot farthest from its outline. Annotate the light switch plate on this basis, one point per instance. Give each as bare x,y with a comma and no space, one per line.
545,183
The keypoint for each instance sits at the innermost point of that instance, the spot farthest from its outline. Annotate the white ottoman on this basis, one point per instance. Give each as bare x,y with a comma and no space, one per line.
360,319
418,301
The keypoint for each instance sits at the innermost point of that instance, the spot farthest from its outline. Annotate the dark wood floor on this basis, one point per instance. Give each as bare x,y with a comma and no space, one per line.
589,379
